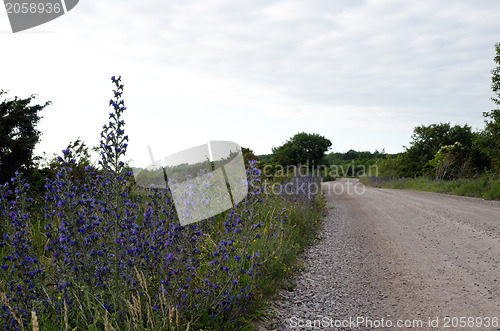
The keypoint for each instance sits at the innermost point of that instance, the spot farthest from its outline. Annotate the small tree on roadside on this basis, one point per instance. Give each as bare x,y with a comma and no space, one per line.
448,163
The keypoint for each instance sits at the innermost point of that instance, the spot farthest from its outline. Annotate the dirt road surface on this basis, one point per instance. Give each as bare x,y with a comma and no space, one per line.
402,257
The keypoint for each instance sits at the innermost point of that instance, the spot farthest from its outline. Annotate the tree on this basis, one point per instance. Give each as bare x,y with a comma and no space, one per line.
427,141
18,135
492,129
351,155
303,148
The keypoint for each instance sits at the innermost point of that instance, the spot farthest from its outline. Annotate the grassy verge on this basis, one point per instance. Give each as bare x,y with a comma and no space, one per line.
303,227
487,187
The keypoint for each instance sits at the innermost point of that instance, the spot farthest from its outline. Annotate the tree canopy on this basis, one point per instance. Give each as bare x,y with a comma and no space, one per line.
303,148
18,134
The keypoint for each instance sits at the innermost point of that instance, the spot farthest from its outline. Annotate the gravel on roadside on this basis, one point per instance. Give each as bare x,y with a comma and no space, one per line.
337,282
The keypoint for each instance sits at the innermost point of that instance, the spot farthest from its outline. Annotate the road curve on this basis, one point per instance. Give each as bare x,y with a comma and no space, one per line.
400,256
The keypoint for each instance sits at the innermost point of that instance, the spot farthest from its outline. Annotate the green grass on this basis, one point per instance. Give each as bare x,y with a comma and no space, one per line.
487,187
283,257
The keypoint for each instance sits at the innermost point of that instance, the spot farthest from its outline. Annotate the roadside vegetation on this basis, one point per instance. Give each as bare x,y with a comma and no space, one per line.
480,187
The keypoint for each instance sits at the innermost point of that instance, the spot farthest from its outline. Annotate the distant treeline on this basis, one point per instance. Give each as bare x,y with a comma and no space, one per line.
336,164
441,151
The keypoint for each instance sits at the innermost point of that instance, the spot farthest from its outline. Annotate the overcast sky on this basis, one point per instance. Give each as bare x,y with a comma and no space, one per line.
361,73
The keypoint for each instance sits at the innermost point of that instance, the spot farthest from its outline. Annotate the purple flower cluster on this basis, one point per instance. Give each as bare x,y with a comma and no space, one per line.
114,142
109,246
20,266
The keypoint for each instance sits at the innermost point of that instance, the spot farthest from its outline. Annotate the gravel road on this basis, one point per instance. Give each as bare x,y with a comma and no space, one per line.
398,260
